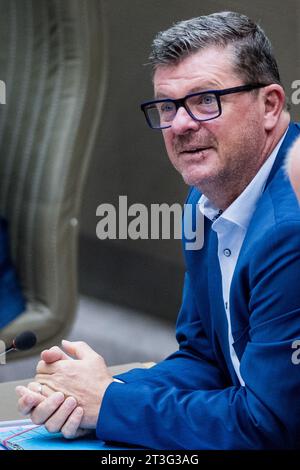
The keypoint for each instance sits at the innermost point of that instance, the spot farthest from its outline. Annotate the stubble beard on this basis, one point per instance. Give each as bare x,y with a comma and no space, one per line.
234,168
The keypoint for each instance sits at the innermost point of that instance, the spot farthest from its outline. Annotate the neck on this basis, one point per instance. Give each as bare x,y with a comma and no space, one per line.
223,191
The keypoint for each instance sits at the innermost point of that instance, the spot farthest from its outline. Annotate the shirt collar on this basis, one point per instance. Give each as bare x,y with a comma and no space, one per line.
242,208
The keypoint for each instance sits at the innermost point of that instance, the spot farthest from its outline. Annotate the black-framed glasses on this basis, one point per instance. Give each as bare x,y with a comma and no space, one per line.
202,106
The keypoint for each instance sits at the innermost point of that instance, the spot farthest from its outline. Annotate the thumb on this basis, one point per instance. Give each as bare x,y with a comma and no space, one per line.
53,354
78,349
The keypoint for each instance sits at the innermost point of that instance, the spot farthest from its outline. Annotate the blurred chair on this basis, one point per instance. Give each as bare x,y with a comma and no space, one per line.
52,60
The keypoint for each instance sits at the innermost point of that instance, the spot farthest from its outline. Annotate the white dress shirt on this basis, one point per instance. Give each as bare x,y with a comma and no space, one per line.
231,227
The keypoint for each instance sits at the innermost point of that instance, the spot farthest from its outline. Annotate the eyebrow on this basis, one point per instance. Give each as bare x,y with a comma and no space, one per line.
196,89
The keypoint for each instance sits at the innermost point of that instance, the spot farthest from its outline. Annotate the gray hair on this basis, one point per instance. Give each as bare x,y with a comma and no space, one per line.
253,57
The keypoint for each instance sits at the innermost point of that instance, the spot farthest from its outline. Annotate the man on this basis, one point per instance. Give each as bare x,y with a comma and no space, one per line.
231,385
293,167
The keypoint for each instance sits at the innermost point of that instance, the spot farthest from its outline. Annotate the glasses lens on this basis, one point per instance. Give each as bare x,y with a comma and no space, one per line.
161,114
203,106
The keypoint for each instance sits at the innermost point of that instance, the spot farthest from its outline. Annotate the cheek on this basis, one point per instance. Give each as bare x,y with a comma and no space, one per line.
166,136
168,144
235,136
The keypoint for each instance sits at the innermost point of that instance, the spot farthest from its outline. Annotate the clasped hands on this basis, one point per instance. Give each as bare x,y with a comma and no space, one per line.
67,393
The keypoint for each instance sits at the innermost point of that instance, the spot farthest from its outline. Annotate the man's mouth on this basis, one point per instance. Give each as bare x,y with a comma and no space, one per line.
194,150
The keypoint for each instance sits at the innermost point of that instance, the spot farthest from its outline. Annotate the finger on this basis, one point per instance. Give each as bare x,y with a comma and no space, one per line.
29,401
71,429
40,388
47,407
49,384
34,387
54,354
44,368
20,390
78,349
58,419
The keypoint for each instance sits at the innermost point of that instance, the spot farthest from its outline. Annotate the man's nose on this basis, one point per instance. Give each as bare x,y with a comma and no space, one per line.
183,122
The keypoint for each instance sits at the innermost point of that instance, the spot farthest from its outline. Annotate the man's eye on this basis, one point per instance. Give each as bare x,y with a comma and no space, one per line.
166,107
207,99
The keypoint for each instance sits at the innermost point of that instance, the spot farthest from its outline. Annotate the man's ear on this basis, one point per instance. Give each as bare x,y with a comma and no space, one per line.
274,101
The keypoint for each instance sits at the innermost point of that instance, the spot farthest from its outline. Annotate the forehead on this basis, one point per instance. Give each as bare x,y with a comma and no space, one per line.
208,68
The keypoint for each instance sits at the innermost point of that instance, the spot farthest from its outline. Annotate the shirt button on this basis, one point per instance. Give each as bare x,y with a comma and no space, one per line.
227,252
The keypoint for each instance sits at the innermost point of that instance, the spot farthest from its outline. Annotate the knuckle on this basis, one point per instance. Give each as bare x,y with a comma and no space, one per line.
51,427
31,384
28,401
68,433
36,419
71,402
99,360
40,365
70,428
61,367
47,391
21,408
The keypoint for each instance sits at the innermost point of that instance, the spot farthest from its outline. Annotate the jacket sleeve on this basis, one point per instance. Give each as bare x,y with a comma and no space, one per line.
165,411
194,364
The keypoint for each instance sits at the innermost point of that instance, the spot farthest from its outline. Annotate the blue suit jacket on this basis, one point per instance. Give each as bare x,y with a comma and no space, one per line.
193,399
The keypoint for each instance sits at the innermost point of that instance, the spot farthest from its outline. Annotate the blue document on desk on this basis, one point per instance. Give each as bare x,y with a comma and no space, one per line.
30,437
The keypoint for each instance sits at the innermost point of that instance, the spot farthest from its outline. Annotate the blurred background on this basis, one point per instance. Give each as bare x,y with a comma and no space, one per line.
129,159
129,291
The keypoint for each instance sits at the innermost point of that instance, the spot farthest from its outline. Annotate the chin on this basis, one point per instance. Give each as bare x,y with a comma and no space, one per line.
197,173
195,178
